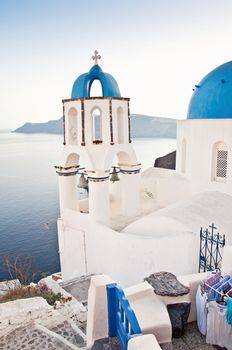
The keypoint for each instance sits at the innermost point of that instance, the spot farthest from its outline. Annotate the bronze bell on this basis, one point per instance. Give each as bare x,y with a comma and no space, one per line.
83,182
114,175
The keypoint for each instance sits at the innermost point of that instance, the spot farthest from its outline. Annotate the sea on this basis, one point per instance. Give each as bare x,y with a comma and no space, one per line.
29,202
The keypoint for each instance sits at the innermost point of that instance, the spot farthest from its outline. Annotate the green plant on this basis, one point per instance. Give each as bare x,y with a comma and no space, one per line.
23,292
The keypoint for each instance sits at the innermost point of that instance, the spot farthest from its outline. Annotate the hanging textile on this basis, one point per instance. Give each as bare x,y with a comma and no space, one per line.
201,301
229,311
219,332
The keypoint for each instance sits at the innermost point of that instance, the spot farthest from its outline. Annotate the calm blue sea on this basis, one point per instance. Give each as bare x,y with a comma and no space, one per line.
29,193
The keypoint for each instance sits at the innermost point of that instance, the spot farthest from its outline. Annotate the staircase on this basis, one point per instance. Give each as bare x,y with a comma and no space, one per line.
36,337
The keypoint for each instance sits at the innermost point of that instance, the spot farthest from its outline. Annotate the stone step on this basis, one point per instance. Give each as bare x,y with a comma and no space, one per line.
78,288
70,331
106,344
34,337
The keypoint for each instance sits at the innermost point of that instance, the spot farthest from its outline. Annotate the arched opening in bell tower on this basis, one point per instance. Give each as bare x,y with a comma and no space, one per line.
72,126
96,119
96,89
124,187
120,125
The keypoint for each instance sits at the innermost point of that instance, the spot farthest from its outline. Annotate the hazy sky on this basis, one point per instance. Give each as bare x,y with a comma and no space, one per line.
156,49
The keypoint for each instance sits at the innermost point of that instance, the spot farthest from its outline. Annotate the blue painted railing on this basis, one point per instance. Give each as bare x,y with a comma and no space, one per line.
121,318
211,246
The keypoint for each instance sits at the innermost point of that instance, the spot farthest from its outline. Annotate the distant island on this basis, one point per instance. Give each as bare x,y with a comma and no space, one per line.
141,126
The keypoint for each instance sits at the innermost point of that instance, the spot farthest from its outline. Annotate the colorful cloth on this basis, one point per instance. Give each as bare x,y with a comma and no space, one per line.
229,311
212,279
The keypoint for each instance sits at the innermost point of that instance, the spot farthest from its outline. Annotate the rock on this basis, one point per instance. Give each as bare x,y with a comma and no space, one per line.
168,161
166,284
7,285
178,314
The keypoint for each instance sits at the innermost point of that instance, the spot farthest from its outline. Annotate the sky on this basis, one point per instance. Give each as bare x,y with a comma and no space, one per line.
157,50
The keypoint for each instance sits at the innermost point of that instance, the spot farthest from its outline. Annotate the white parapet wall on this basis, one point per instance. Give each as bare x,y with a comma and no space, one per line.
88,247
97,319
166,240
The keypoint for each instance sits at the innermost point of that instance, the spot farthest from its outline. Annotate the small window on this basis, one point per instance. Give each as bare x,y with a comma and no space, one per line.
221,170
96,126
183,156
221,159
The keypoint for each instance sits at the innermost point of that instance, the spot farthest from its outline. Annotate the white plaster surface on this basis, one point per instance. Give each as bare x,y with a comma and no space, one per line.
227,261
151,312
165,185
189,215
144,342
21,312
201,135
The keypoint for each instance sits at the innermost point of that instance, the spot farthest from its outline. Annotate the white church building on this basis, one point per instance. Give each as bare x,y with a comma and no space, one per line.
137,224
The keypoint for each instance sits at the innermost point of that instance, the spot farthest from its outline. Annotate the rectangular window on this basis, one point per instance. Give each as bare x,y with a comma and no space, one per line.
221,169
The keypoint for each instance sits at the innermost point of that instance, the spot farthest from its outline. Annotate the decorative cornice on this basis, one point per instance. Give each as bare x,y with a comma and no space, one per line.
96,98
129,165
60,167
98,179
71,173
130,172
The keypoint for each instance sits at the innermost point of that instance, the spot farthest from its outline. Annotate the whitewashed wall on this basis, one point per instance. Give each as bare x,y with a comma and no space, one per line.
201,135
127,258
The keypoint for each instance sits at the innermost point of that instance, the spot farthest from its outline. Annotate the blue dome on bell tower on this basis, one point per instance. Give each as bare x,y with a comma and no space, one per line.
212,98
82,85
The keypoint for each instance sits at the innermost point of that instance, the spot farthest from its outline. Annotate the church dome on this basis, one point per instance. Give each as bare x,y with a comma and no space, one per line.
82,85
212,98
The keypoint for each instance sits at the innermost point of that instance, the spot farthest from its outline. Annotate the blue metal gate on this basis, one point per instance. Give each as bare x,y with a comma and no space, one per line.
121,318
211,245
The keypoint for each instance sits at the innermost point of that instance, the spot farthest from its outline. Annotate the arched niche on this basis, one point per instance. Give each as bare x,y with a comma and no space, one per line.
72,160
72,126
96,121
125,156
183,156
219,162
120,125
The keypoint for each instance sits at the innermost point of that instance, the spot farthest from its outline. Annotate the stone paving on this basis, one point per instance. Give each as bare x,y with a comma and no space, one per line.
67,331
106,344
191,340
31,338
78,288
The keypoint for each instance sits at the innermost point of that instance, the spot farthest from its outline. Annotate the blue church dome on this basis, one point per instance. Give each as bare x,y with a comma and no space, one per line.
82,85
212,98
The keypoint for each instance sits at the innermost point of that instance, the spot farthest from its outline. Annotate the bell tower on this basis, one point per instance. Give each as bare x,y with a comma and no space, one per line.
96,130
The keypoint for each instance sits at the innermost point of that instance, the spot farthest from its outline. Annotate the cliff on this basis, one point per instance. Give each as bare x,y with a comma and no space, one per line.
141,126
